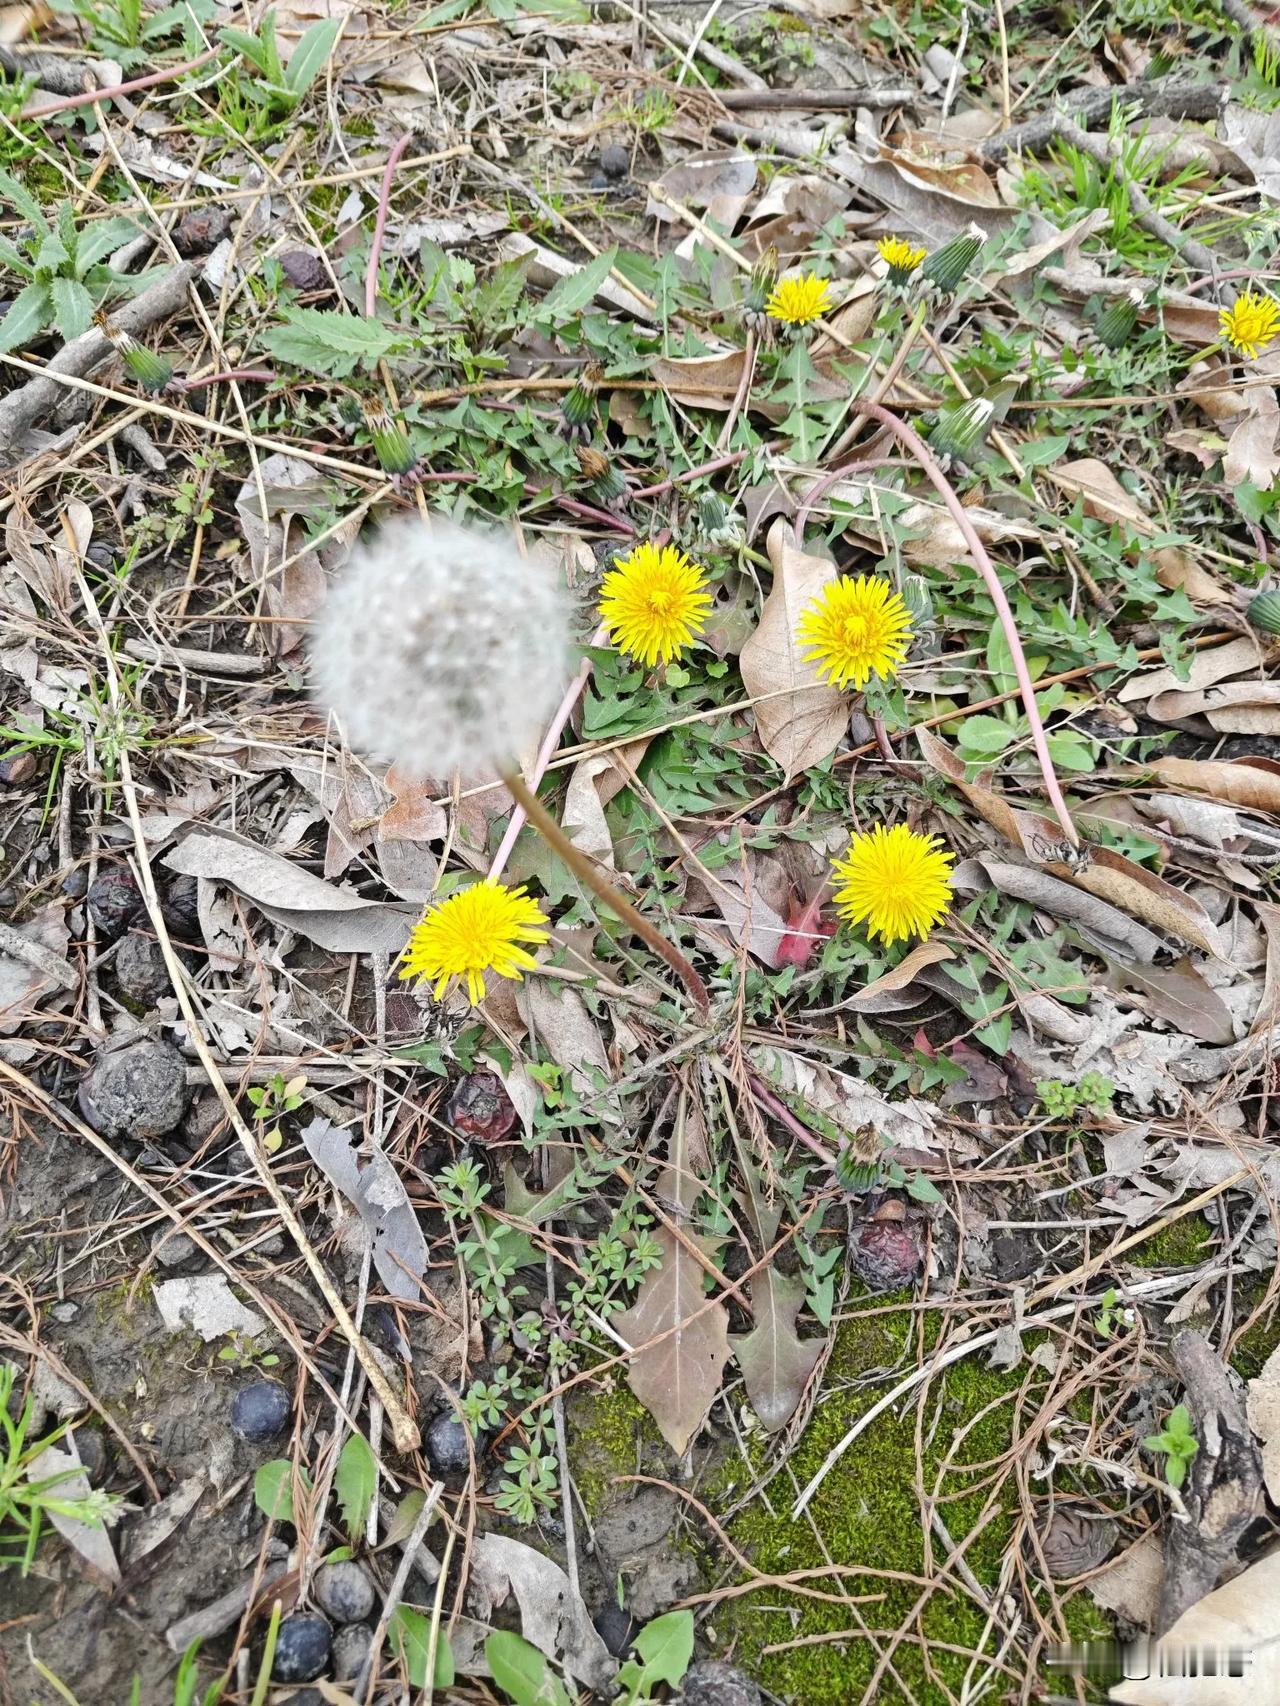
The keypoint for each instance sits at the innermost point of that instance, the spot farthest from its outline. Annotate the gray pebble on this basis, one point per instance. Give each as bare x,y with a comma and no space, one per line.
344,1591
713,1683
65,1312
138,1090
350,1649
140,969
174,1249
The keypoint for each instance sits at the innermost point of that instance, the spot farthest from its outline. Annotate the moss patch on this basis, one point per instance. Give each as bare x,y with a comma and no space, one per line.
1181,1245
609,1435
867,1514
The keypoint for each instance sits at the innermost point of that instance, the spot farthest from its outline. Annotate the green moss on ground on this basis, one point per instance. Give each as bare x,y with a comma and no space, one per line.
609,1433
867,1513
1181,1245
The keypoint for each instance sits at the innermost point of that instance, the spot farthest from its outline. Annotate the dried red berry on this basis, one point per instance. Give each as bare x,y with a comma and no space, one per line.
886,1254
481,1108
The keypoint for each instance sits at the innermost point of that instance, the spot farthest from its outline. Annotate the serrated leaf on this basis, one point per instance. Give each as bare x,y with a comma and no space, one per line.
355,1481
96,242
501,291
72,307
572,294
21,197
329,343
52,254
310,54
521,1671
29,314
273,1488
409,1632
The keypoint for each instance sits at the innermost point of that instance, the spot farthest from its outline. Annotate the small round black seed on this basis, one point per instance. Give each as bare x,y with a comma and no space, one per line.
303,1644
350,1649
615,160
446,1445
260,1411
344,1592
616,1628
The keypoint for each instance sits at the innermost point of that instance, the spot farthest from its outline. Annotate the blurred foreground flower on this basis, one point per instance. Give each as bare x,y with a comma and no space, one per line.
797,301
442,649
895,881
857,628
480,929
654,603
1251,323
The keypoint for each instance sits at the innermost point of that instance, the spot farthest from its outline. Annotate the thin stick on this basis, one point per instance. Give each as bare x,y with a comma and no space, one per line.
584,869
90,97
986,568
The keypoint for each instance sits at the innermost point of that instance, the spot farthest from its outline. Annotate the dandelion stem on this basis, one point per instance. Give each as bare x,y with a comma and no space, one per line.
987,569
380,227
550,741
586,871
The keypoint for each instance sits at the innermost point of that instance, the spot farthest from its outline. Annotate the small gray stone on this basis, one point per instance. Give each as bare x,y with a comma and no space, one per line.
350,1649
65,1312
140,970
712,1683
174,1249
344,1591
138,1090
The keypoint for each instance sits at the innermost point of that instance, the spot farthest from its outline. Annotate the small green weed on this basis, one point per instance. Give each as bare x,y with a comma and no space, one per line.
27,1501
1094,1095
1176,1443
62,266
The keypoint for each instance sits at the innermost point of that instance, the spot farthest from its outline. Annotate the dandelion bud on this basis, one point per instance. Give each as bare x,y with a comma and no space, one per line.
578,409
606,484
715,524
150,370
760,285
1115,319
390,441
1264,612
961,430
947,267
442,649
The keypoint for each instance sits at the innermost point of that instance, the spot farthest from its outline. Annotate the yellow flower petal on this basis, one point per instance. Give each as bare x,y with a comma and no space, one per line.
1251,323
895,881
796,301
480,929
653,603
859,627
900,258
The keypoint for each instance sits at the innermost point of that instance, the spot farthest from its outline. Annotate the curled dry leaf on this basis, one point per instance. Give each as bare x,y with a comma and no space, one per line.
552,1615
1263,1406
1207,668
702,381
679,1336
721,182
1229,707
372,1186
1112,930
1250,782
800,720
33,962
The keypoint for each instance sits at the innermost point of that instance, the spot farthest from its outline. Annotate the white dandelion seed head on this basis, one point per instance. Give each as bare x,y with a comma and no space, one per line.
441,648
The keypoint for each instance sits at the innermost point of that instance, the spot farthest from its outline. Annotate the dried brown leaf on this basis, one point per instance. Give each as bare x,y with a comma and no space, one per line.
1178,995
680,1338
1250,782
923,954
721,182
805,721
370,1183
702,381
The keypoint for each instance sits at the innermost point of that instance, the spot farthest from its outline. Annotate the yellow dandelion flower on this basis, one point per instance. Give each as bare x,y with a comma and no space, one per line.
895,881
653,603
900,258
796,301
1251,323
480,929
859,627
